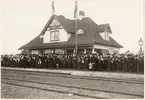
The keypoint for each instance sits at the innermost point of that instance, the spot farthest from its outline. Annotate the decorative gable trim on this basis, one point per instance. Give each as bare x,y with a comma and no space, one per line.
54,25
46,26
54,22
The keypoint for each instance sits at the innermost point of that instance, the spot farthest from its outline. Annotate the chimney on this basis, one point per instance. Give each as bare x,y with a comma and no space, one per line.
81,14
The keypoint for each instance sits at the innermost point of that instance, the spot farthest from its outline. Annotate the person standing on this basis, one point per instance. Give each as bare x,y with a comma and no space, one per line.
86,62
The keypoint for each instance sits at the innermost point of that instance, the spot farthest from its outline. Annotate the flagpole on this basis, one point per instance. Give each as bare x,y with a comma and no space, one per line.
53,9
76,29
76,33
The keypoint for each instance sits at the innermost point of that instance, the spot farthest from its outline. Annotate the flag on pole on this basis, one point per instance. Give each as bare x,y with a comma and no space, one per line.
53,9
75,11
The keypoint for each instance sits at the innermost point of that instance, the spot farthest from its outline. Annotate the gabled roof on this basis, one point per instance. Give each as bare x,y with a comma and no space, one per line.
103,27
90,37
67,24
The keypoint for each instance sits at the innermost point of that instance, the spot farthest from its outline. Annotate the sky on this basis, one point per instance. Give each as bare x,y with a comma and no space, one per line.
23,20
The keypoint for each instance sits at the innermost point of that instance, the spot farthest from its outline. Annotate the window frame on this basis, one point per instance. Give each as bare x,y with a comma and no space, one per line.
54,37
80,31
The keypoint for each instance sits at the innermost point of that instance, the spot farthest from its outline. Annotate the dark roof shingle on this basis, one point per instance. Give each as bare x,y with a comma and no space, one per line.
90,36
104,27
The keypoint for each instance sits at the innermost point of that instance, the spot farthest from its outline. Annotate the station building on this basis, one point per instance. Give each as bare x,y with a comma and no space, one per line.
59,36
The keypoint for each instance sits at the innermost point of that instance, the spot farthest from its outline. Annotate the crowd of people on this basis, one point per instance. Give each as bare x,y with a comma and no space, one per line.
95,62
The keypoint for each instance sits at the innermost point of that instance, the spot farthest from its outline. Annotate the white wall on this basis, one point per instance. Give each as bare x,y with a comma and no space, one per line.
111,49
47,51
34,52
46,37
105,35
63,36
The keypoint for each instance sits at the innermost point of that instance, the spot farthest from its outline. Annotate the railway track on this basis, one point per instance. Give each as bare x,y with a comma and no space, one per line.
66,75
57,91
77,90
38,85
24,83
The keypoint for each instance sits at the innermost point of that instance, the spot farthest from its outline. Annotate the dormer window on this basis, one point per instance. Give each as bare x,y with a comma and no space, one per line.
105,35
80,31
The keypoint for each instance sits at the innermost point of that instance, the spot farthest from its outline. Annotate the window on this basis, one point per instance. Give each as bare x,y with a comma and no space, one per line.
80,31
54,35
34,52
